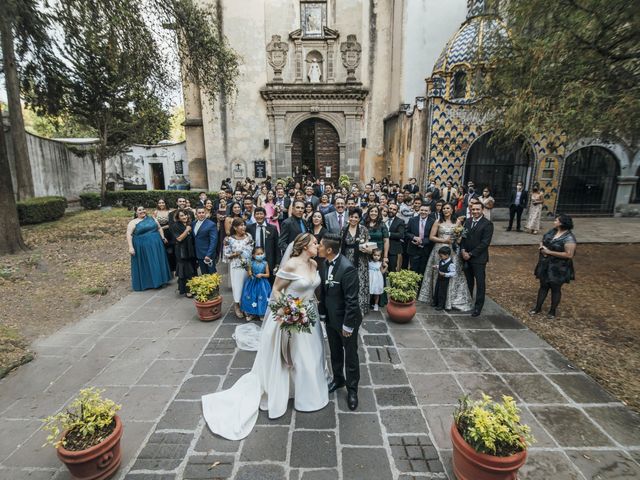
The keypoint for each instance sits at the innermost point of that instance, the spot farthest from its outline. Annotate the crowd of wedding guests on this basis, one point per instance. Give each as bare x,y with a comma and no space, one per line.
443,233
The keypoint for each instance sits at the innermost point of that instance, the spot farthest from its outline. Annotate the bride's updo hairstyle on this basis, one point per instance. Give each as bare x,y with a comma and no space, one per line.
300,243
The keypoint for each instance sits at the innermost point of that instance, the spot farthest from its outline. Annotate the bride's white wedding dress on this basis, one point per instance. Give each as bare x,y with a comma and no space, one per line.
270,383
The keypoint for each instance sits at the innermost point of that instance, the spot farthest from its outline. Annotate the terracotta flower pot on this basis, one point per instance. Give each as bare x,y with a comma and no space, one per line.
211,310
98,462
471,465
400,312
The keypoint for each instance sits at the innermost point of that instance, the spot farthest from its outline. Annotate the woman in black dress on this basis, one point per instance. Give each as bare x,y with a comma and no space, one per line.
353,236
185,251
555,264
316,226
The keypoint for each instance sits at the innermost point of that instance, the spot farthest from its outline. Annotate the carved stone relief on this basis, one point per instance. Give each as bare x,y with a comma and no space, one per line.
351,51
277,56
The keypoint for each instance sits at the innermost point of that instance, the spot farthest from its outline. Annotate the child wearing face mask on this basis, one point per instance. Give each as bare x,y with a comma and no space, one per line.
256,289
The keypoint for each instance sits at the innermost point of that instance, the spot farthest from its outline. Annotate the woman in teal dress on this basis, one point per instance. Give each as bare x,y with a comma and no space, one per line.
149,265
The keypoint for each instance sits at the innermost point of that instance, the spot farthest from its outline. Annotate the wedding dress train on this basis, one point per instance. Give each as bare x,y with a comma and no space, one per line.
270,383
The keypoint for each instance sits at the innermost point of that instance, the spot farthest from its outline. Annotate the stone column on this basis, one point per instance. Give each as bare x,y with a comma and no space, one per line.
287,168
298,61
352,164
279,147
330,62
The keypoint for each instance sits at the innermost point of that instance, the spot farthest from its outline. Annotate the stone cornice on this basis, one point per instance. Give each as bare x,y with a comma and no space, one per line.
314,92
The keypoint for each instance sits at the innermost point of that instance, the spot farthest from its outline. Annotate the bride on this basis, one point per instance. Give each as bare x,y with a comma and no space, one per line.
441,234
270,383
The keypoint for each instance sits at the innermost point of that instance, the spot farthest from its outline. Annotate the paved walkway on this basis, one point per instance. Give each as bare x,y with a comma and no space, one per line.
587,230
152,355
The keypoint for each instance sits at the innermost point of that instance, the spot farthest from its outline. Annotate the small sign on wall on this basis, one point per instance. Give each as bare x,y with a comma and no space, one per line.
327,172
260,169
178,165
239,171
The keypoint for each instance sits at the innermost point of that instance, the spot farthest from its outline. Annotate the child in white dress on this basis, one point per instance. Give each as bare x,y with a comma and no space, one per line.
376,278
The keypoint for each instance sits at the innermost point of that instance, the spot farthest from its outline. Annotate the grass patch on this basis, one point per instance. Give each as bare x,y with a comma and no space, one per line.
13,349
95,291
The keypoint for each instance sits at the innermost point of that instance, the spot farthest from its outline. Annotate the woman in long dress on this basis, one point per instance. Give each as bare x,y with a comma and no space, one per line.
354,235
270,383
488,202
535,211
149,265
441,234
237,250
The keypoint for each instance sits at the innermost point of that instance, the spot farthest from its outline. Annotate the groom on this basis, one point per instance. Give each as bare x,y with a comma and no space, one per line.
340,311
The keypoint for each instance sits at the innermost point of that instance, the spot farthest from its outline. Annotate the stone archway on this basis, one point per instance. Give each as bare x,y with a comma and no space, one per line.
589,182
315,150
499,167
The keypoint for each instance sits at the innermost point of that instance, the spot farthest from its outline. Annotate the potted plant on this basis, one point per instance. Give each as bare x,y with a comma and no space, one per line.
489,442
402,292
206,293
87,435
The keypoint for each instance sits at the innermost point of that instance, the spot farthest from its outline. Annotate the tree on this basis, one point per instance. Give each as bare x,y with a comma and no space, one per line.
10,234
573,66
61,126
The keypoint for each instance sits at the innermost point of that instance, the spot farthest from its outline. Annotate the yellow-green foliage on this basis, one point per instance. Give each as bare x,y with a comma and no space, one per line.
205,287
88,413
492,427
403,285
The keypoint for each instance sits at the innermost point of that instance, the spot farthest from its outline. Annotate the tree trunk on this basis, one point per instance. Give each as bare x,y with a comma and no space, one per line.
18,135
10,234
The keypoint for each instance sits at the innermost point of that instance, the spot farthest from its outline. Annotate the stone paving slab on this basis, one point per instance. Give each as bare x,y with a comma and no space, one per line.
151,354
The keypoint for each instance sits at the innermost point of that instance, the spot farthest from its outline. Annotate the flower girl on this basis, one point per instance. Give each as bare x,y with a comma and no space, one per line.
376,278
256,289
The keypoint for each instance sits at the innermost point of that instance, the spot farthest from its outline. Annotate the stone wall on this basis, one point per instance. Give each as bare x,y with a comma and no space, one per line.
68,168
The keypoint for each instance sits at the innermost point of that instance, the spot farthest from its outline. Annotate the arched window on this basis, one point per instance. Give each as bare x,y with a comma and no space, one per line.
459,89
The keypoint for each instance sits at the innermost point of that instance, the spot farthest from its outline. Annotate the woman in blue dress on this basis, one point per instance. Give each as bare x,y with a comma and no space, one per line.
149,265
256,290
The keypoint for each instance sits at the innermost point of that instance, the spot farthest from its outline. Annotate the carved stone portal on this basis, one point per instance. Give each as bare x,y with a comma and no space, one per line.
277,56
351,51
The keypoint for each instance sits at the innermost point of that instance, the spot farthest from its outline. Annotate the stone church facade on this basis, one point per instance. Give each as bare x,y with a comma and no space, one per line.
384,87
317,79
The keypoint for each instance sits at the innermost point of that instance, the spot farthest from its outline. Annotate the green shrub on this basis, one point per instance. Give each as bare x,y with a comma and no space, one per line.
403,286
149,198
90,201
41,209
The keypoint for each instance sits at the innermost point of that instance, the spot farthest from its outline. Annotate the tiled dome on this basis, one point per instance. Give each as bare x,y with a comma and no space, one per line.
477,41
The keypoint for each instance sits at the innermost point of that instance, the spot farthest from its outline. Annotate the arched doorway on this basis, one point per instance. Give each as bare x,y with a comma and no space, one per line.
498,166
589,182
315,150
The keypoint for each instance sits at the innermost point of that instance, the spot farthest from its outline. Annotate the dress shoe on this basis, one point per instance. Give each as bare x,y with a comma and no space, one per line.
352,400
533,311
508,229
475,313
519,230
439,308
333,386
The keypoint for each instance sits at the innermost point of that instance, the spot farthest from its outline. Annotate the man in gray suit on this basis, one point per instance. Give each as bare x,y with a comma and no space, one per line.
310,197
334,221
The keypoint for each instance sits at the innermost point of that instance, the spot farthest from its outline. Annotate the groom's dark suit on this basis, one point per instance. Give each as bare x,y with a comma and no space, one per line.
339,307
476,243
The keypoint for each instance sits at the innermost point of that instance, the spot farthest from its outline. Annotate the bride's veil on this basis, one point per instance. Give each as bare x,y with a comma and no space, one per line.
247,336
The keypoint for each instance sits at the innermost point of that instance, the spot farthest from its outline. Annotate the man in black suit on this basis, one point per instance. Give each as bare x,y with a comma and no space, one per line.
517,203
265,236
417,238
310,197
282,203
475,253
341,313
396,227
412,186
292,226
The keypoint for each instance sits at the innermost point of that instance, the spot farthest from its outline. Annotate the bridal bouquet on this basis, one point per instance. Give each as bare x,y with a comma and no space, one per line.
293,314
458,232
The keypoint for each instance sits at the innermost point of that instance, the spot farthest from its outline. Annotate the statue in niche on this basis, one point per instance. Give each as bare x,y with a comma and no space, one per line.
351,51
314,74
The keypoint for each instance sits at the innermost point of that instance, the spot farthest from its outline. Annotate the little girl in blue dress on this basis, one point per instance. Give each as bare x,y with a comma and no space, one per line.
256,289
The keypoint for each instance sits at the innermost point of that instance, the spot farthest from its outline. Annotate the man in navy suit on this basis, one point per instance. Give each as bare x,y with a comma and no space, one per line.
205,233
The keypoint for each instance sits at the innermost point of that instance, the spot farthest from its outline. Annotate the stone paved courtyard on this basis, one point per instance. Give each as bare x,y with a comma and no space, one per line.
151,354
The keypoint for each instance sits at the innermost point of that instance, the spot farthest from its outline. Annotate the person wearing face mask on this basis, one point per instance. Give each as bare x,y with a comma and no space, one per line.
257,289
266,237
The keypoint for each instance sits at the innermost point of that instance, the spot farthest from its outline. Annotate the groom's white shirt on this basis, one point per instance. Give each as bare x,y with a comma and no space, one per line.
329,272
